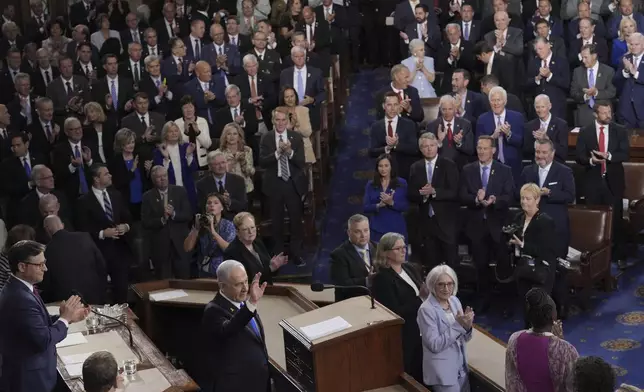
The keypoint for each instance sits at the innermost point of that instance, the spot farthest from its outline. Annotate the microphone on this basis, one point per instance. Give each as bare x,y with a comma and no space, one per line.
319,286
129,330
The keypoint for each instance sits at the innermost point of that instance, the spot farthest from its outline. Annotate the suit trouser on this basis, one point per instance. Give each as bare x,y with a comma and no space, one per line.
285,194
484,249
437,245
118,261
603,195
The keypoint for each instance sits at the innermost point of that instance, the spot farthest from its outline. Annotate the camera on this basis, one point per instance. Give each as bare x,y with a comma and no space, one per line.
512,229
204,219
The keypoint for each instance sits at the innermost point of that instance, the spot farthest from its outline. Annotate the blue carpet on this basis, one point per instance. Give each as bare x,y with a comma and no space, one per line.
613,328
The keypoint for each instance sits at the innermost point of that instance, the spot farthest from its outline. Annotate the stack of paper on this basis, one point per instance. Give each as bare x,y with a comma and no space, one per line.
166,295
72,339
326,327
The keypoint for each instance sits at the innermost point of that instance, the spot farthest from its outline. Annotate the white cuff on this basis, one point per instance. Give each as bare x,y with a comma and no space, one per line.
626,74
636,75
62,320
72,168
250,306
549,77
101,235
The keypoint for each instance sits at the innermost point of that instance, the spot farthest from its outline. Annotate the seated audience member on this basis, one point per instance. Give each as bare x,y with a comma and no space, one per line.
16,234
99,131
130,170
385,200
444,328
352,261
165,213
408,96
592,81
488,82
239,157
394,135
74,262
628,79
421,68
178,159
49,204
539,359
101,373
620,44
593,374
299,119
249,250
398,286
194,130
210,234
230,186
546,127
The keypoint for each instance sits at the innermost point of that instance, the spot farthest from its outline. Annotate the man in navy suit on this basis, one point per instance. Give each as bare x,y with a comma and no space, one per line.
177,68
583,12
473,104
222,56
409,98
28,334
544,12
625,11
207,95
194,42
629,80
506,128
546,127
549,75
487,189
395,135
587,36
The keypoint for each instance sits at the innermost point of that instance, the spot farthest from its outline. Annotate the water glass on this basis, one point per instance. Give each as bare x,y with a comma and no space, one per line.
92,322
129,366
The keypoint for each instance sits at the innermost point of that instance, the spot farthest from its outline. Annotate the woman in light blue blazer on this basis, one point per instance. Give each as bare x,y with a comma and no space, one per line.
444,329
421,68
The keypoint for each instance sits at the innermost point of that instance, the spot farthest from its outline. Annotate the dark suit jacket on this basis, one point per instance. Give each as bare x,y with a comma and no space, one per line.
630,92
125,70
74,262
462,153
314,84
348,269
500,184
233,61
475,105
32,29
5,45
133,122
244,43
15,110
235,358
512,146
223,117
561,183
265,88
323,63
238,251
58,94
575,50
193,88
92,219
39,84
126,37
487,24
7,87
503,67
102,87
416,114
600,29
170,72
29,213
68,182
269,163
405,153
90,136
405,15
163,37
539,238
556,27
556,88
165,105
514,103
321,35
618,146
14,177
557,132
28,338
234,185
79,15
466,60
270,65
433,40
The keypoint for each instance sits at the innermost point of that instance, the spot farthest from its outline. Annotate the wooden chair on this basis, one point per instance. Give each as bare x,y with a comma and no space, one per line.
431,110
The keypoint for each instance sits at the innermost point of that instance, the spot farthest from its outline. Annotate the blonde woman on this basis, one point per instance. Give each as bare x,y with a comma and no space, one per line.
300,121
99,130
422,69
200,126
627,27
238,154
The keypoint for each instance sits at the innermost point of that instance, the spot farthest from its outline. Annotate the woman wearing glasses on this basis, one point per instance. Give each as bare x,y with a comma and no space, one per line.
398,286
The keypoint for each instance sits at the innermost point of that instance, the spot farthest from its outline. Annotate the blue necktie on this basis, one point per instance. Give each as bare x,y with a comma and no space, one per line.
485,176
108,207
81,171
25,164
115,98
158,83
591,84
466,34
430,175
501,155
300,86
253,324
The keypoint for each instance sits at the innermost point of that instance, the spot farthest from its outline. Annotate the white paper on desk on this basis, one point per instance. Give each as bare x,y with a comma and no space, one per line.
72,339
575,130
74,370
326,327
53,310
75,358
166,295
573,254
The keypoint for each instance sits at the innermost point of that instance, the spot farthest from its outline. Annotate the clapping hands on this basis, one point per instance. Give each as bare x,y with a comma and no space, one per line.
278,260
465,319
387,199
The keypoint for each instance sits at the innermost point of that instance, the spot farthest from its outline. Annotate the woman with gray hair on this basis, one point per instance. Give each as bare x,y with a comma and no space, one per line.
444,328
398,286
421,68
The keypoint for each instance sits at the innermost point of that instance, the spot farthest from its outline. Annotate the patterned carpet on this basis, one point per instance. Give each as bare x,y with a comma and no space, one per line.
614,326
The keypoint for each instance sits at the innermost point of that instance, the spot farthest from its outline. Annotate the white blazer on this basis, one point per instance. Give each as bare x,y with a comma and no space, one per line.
203,140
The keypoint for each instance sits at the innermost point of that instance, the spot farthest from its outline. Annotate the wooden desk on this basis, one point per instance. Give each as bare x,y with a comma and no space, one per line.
636,142
486,359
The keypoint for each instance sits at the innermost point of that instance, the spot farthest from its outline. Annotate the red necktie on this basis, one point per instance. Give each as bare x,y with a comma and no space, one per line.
544,64
402,97
450,137
390,130
602,146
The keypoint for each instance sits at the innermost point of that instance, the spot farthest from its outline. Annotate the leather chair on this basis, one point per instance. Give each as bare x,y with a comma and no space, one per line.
431,110
634,192
591,230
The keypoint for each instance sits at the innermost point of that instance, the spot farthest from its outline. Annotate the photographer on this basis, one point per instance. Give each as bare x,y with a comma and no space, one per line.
535,245
211,235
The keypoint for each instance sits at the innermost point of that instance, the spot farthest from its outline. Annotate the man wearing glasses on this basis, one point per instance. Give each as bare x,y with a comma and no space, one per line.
28,334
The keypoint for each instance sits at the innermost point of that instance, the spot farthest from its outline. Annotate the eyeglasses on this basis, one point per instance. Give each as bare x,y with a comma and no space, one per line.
443,285
38,265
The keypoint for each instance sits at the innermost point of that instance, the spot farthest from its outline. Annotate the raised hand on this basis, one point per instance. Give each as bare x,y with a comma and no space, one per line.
87,154
256,291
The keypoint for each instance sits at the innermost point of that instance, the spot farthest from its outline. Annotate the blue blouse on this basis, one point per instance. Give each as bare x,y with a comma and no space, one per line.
425,89
228,233
619,50
386,219
136,185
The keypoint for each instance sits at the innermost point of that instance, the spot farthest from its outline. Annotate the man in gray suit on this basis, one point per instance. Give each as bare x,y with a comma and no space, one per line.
248,18
597,8
68,92
505,39
165,214
146,124
591,82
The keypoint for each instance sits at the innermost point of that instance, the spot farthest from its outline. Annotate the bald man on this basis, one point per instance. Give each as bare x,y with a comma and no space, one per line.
223,56
73,263
208,93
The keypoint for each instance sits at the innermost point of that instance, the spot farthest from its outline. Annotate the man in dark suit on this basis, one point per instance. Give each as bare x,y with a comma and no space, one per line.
544,12
15,174
102,213
471,28
5,130
550,76
44,184
409,98
208,95
318,33
160,96
165,213
602,148
194,41
11,38
352,261
169,26
285,183
583,12
472,103
81,35
490,81
235,357
7,85
421,29
433,185
37,24
222,56
395,135
147,125
243,114
629,80
556,43
22,107
85,64
74,263
28,334
489,25
113,92
71,161
83,13
69,92
178,68
44,73
312,59
133,67
256,89
487,189
405,15
270,62
500,66
455,53
335,17
546,127
454,134
505,39
133,32
233,37
231,186
151,45
587,36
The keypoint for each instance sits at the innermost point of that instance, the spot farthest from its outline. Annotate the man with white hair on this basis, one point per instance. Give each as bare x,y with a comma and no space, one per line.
407,94
43,184
257,90
592,81
629,80
549,75
237,111
454,134
44,72
234,351
455,53
11,37
505,38
506,127
546,127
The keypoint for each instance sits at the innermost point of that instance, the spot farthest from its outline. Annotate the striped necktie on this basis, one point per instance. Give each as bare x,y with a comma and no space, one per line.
285,172
109,213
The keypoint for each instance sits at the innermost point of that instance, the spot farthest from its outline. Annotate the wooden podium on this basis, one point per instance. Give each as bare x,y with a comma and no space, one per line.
365,356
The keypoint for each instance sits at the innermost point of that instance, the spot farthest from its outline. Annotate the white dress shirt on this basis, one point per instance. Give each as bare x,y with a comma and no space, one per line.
544,123
636,62
72,168
419,29
85,67
488,68
136,37
239,113
169,27
409,280
116,85
153,50
101,200
248,304
135,65
547,60
44,77
543,173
